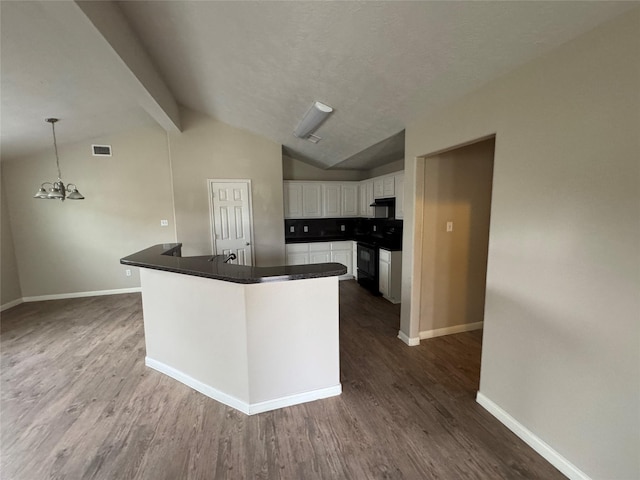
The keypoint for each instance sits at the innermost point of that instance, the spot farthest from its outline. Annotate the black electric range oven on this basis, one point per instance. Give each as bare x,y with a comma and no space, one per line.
368,267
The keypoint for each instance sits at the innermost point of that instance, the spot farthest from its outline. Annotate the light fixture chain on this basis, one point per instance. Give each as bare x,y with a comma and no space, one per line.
55,146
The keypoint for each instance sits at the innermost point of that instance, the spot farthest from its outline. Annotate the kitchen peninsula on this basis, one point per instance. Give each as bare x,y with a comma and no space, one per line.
253,338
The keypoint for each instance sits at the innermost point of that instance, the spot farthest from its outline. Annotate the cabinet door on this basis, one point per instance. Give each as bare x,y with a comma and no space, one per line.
292,200
378,188
343,257
364,206
384,278
399,184
320,257
297,258
349,200
312,200
331,200
388,187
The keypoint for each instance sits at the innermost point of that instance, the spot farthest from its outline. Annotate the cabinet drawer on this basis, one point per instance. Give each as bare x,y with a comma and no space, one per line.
319,246
346,245
297,247
385,255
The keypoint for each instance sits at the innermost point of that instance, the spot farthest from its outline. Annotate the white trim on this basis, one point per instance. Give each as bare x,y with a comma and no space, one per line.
411,341
295,399
12,303
438,332
95,293
244,407
554,458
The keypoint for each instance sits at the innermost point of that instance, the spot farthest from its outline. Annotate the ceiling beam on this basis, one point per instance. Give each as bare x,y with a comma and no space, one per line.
152,93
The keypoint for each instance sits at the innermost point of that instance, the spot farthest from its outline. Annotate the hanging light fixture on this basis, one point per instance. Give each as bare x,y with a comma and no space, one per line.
58,190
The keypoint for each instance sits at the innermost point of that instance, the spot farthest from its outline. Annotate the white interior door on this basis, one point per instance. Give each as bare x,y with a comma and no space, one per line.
232,219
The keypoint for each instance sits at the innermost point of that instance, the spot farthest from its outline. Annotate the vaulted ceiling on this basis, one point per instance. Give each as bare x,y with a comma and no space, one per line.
103,67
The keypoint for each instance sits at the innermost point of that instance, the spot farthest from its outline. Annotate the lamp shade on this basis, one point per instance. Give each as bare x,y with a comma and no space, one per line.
314,117
42,193
75,194
55,193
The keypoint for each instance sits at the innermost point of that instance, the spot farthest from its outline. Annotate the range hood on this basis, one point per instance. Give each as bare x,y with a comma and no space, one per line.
384,202
384,207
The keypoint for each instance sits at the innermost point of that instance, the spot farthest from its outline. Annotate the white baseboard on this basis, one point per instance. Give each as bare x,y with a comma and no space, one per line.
96,293
438,332
244,407
13,303
548,453
411,341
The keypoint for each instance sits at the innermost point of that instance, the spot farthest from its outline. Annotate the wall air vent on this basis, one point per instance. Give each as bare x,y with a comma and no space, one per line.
101,150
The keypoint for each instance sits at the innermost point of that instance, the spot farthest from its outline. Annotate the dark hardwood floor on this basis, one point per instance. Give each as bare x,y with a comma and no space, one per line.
77,402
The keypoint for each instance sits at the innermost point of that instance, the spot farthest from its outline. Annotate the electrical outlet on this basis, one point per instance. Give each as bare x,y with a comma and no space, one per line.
164,223
375,228
305,229
127,272
449,226
342,228
292,229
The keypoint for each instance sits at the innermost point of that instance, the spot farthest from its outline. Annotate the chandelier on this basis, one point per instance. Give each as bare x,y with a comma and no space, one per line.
58,189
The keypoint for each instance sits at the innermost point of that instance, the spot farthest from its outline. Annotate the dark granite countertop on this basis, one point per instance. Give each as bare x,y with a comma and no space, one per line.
167,257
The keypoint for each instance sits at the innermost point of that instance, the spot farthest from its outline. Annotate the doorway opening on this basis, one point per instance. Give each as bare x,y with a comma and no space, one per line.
231,219
456,215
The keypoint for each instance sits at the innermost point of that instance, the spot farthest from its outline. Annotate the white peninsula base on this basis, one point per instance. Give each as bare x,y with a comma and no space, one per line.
254,347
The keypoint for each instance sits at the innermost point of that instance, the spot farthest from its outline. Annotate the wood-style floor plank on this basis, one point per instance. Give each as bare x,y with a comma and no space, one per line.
77,402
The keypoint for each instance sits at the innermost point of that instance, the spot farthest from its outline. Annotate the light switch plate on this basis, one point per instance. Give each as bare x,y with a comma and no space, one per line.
164,223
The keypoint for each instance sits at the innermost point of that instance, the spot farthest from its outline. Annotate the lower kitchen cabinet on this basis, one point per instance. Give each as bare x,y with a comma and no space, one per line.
322,252
390,275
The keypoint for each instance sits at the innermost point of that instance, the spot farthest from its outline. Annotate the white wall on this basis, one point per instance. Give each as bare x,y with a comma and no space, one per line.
75,246
208,148
9,280
561,351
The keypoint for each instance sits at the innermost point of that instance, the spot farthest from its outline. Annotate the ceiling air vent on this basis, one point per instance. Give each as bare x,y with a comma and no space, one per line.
101,150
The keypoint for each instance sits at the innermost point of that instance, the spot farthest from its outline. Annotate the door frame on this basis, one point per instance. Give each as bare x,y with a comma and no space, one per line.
212,231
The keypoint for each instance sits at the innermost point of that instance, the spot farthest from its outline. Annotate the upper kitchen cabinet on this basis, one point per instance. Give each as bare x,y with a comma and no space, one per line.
311,200
399,192
292,200
302,199
383,187
332,200
349,199
366,198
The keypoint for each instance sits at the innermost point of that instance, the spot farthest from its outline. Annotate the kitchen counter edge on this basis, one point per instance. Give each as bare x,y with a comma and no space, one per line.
168,257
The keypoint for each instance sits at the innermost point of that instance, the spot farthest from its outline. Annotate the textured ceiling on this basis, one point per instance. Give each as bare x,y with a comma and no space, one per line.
260,65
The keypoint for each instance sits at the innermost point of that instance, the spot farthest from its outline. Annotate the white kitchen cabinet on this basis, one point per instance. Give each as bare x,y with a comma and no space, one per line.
388,187
332,200
311,200
322,252
378,187
399,191
292,200
366,199
320,257
390,275
297,258
349,193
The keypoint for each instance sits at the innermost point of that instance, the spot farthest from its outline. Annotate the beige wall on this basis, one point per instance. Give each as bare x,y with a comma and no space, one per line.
457,186
392,167
10,280
293,169
75,246
209,149
561,349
